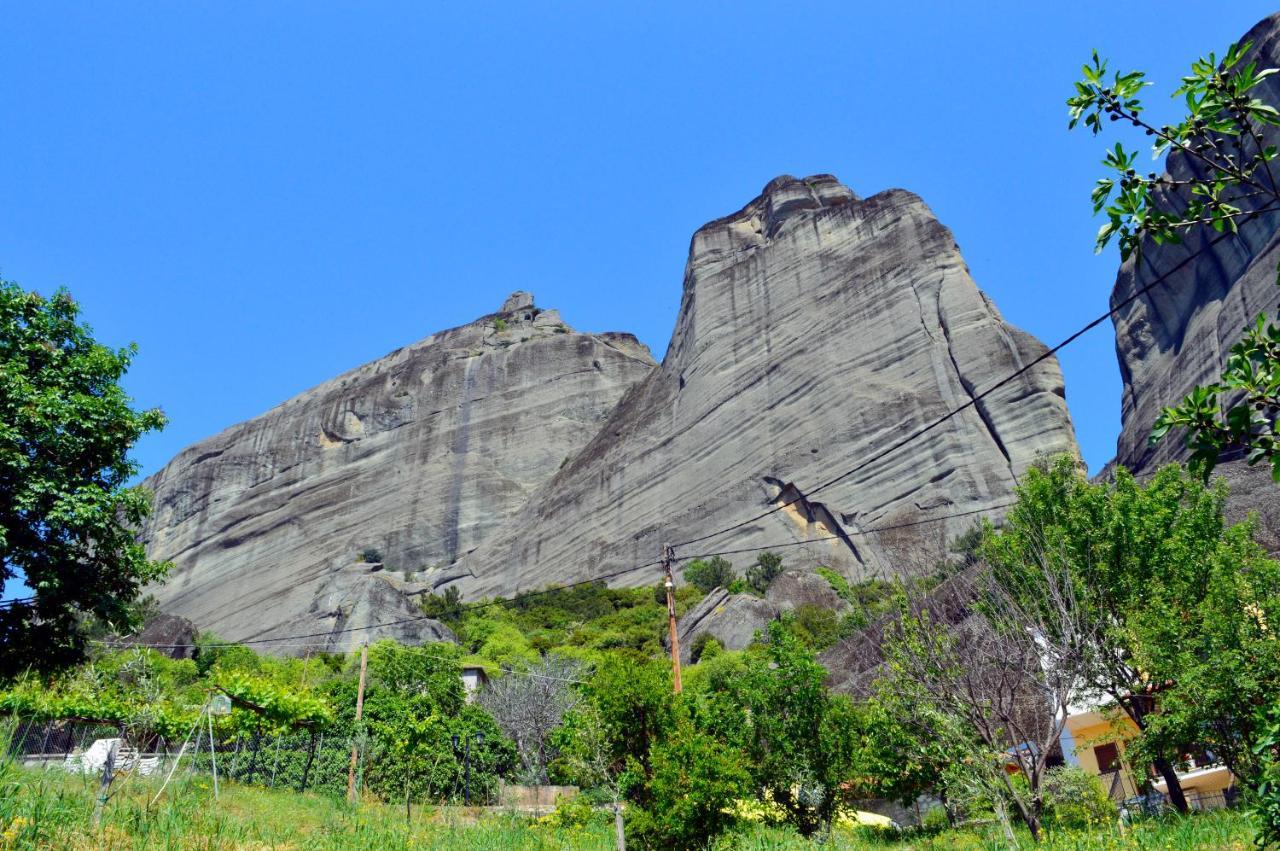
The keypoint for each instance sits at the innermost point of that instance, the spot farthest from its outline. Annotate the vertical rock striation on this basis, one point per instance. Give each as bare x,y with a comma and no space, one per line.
421,455
1177,335
815,329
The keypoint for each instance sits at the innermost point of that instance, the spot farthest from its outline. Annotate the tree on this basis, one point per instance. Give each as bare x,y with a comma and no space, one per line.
798,738
764,571
446,608
413,706
708,575
585,759
529,705
1174,604
1229,179
1000,665
67,514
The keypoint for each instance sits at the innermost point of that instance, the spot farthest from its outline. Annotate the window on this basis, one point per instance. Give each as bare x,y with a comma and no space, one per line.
1108,757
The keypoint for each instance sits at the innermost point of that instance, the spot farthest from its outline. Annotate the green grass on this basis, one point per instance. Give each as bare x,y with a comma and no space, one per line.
50,809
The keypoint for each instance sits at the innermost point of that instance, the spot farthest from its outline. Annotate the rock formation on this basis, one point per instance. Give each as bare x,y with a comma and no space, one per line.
815,328
1177,335
420,455
734,619
513,453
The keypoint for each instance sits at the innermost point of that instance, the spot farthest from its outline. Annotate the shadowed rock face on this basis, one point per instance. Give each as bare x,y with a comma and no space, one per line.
815,328
421,455
1178,335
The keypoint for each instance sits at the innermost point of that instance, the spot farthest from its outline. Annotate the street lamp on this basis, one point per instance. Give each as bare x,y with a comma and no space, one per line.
478,738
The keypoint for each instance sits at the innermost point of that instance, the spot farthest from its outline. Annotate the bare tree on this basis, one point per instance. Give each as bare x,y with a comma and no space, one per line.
1002,665
531,703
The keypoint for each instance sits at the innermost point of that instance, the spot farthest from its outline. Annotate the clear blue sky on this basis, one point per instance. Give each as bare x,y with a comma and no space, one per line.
263,195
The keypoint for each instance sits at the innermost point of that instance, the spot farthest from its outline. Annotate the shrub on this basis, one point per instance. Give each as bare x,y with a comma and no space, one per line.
761,574
706,576
371,555
705,646
817,626
694,783
572,812
1075,798
1266,792
499,325
838,584
446,607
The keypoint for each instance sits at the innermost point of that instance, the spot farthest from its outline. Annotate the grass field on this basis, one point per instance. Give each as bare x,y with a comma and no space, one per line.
49,809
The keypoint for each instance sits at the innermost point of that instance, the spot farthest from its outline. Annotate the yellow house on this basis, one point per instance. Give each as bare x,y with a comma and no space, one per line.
1095,738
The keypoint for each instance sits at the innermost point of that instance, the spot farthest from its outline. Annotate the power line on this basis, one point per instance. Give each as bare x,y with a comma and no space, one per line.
974,399
289,640
505,669
886,528
500,601
521,597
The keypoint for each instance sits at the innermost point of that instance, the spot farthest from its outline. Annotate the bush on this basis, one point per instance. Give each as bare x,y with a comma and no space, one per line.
572,812
761,574
705,646
371,555
706,576
817,626
446,608
1075,798
1266,792
694,784
838,584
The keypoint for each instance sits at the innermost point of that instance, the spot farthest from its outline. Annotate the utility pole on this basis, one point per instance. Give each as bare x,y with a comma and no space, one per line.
669,556
355,743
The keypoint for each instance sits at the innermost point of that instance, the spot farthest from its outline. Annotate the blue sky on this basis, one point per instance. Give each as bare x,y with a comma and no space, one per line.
264,195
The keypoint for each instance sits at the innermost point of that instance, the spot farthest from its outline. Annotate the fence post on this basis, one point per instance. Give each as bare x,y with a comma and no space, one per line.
253,760
276,763
306,770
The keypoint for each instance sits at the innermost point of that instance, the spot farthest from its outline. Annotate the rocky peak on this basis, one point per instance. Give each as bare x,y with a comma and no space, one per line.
815,327
420,455
518,300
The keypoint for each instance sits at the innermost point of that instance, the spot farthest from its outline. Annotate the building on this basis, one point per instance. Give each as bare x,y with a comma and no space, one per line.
1095,739
473,679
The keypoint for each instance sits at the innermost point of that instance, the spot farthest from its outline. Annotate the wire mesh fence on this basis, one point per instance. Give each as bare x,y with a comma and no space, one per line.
316,761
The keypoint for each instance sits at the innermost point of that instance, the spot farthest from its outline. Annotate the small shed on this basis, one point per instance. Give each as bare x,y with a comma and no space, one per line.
473,679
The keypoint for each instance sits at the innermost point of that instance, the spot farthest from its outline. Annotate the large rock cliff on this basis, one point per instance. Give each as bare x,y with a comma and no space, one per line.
420,455
1177,335
815,328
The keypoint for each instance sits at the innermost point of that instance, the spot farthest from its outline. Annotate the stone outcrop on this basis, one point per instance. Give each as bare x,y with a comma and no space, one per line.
1177,335
731,619
734,619
170,635
420,455
815,328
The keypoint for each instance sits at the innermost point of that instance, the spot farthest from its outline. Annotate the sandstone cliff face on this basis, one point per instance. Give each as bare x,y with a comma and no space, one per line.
1178,335
815,328
421,455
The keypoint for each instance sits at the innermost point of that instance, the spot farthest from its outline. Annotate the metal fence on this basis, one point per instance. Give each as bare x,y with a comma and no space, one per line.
300,761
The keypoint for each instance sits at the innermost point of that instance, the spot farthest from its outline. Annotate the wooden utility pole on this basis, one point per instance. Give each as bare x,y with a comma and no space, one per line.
355,743
669,556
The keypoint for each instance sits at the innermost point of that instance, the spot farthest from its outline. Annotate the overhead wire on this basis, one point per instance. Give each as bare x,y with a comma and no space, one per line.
975,398
521,597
